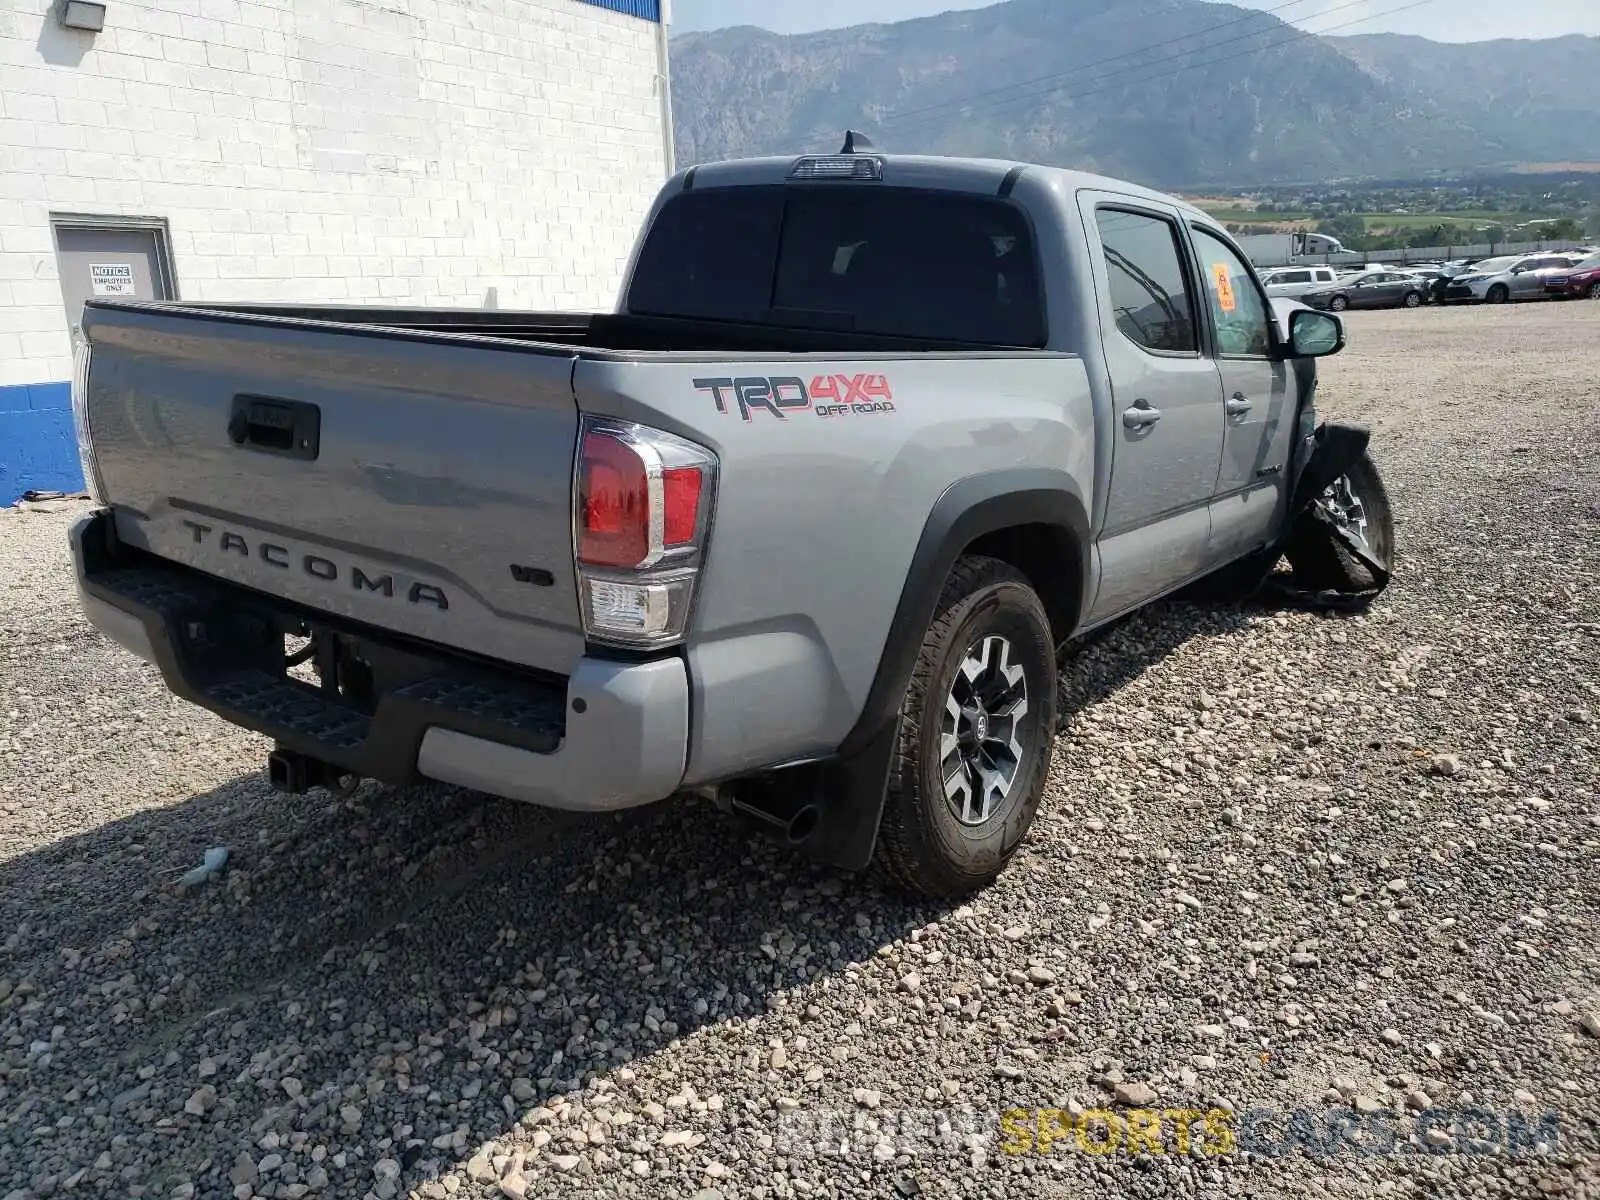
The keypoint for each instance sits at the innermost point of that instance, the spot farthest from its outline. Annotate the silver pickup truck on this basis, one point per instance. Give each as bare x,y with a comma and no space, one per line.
803,527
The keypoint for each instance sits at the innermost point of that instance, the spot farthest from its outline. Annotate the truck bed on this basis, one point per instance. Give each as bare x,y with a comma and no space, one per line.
410,469
600,334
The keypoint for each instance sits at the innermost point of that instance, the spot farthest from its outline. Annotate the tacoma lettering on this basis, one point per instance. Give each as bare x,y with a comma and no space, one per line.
317,566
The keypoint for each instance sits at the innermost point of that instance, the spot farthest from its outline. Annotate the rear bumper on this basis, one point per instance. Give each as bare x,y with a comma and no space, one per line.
613,735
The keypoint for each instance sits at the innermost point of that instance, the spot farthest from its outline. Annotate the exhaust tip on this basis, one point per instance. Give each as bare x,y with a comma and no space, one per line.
803,824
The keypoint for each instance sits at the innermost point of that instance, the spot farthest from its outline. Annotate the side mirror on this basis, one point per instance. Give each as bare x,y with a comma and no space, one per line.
1314,334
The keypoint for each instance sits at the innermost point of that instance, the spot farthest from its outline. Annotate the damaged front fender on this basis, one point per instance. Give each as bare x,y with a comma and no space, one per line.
1336,449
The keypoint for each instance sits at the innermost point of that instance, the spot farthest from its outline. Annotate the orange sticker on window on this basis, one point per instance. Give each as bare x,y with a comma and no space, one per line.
1225,297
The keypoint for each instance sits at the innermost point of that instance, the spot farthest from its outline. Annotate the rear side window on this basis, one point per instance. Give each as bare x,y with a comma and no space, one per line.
861,259
1150,296
1293,277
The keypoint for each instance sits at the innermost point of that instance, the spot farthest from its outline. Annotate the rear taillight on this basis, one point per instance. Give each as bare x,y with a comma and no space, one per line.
80,419
642,501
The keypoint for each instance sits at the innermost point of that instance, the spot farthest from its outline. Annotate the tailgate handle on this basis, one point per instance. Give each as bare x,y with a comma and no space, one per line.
291,428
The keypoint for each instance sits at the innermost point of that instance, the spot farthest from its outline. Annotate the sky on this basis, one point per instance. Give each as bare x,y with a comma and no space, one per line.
1442,20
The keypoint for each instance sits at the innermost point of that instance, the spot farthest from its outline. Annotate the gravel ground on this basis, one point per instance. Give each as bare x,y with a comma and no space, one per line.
1291,863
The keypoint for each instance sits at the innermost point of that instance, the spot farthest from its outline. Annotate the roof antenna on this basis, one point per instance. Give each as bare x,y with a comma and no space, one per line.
855,143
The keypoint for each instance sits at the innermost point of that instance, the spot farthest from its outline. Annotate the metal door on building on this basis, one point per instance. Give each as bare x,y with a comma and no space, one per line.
106,260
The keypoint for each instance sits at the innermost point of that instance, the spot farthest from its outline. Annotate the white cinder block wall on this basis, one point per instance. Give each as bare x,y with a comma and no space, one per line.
429,152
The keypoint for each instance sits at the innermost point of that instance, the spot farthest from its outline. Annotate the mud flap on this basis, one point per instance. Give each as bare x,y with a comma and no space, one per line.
851,793
1337,449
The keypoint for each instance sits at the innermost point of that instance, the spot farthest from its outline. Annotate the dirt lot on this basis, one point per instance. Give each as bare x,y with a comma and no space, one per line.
1322,880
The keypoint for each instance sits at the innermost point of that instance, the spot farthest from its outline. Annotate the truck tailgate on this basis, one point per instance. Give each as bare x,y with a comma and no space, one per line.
418,482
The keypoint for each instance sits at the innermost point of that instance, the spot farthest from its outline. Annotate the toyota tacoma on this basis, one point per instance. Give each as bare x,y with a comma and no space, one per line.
805,526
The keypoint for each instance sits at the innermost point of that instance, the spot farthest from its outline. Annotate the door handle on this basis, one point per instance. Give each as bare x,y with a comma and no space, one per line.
1141,415
1237,405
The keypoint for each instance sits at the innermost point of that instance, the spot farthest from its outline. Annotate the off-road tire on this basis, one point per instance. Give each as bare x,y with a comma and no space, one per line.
1321,562
921,846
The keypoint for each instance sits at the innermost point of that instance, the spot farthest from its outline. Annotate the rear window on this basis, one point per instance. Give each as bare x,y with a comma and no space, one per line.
854,258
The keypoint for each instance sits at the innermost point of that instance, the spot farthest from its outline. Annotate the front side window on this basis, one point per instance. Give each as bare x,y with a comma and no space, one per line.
1150,294
1238,310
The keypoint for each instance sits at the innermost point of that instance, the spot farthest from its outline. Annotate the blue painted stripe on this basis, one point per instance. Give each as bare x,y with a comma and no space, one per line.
38,448
645,10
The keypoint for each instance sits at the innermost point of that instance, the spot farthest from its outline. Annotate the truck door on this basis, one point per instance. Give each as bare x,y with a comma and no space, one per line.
1166,403
1259,408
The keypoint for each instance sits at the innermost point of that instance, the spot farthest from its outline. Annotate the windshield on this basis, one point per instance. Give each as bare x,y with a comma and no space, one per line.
1493,266
1588,264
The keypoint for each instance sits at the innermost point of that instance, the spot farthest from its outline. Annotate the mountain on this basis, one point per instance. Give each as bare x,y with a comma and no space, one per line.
1163,91
1544,95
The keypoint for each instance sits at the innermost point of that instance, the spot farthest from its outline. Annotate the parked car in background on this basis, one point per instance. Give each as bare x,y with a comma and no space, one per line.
1444,274
1291,283
1512,277
1433,280
1370,289
1582,282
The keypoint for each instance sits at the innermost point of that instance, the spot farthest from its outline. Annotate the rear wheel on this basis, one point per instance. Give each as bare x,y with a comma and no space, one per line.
976,728
1498,294
1357,503
1338,304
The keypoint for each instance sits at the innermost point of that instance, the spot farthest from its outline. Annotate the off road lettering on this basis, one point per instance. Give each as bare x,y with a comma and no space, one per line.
782,395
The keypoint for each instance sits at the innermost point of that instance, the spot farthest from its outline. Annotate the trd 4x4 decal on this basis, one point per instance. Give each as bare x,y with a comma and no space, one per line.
782,395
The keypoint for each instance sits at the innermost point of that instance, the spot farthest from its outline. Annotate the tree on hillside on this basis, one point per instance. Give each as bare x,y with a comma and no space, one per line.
1345,227
1564,230
1429,235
